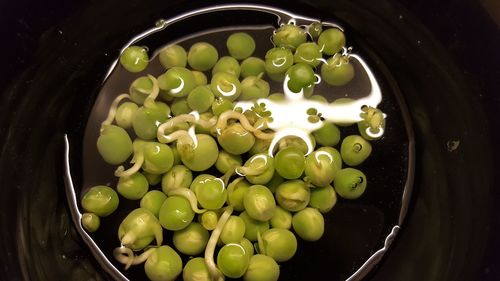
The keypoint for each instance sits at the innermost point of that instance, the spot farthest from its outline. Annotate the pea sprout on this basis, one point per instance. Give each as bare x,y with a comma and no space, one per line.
212,242
189,195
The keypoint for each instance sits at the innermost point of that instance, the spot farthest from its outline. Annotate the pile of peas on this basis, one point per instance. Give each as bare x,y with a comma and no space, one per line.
234,209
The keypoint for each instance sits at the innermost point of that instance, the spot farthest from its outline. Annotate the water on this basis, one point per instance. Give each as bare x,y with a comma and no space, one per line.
355,230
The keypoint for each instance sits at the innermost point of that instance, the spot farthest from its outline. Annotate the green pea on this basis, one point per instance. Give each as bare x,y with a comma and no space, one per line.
260,146
133,187
209,220
233,230
140,89
308,53
172,56
139,228
177,177
101,200
238,190
293,195
262,268
281,219
191,240
337,70
134,59
200,99
290,163
235,139
331,41
253,226
373,122
240,45
226,161
297,142
200,180
125,114
289,36
202,56
254,87
252,66
164,264
146,120
355,150
319,98
277,77
350,183
196,270
225,85
278,60
301,76
175,153
200,78
315,29
275,181
175,213
276,97
327,135
152,201
229,65
322,166
211,193
259,169
153,179
91,222
309,224
221,105
158,158
248,246
177,82
259,203
201,157
232,260
278,243
180,106
323,198
114,144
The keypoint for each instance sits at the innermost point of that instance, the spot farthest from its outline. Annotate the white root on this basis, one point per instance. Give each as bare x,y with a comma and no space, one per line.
228,115
189,195
127,257
149,102
139,160
212,242
113,108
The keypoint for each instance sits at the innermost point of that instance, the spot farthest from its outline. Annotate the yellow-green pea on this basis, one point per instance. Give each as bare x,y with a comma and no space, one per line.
240,45
201,157
262,268
153,179
125,114
139,228
254,87
133,187
175,213
158,158
233,231
196,270
238,190
355,150
164,264
191,240
259,203
253,226
331,41
289,36
323,198
259,168
152,201
226,161
293,195
350,183
101,200
281,219
327,135
114,144
235,139
91,222
208,220
309,224
315,29
140,89
252,66
278,243
221,105
337,70
200,78
260,146
322,165
227,64
290,162
200,99
177,82
248,246
232,260
177,177
275,181
202,56
173,55
180,106
134,59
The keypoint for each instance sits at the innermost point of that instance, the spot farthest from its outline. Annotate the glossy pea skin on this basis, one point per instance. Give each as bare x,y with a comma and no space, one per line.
276,77
259,203
355,150
101,200
309,224
177,82
323,198
201,157
264,164
172,56
289,163
125,114
233,230
278,60
208,220
289,36
350,183
240,45
262,268
327,135
331,41
235,139
252,226
281,219
221,105
232,260
176,213
235,198
322,166
177,177
202,56
227,64
296,142
114,144
278,243
196,270
140,89
138,229
133,187
200,99
337,71
226,161
153,179
211,193
253,88
164,264
308,53
152,201
200,78
191,240
146,120
225,85
134,59
158,158
90,222
180,106
301,76
252,66
293,195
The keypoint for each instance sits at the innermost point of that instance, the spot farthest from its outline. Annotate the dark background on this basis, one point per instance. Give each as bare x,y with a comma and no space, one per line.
466,29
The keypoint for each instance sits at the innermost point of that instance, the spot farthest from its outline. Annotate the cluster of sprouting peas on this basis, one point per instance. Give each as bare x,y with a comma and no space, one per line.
224,191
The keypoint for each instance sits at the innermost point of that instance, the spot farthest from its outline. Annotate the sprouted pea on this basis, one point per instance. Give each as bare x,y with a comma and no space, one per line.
278,243
323,198
262,268
176,213
196,270
227,64
101,200
133,187
164,264
91,222
281,219
293,195
337,70
202,56
139,229
191,240
240,45
252,66
289,36
259,203
177,177
331,41
309,224
355,150
134,59
233,231
350,183
152,201
172,56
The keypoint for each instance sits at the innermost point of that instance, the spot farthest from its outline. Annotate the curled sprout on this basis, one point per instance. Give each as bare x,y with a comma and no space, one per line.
189,195
374,118
138,161
254,169
127,257
193,118
212,242
149,102
228,115
113,108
